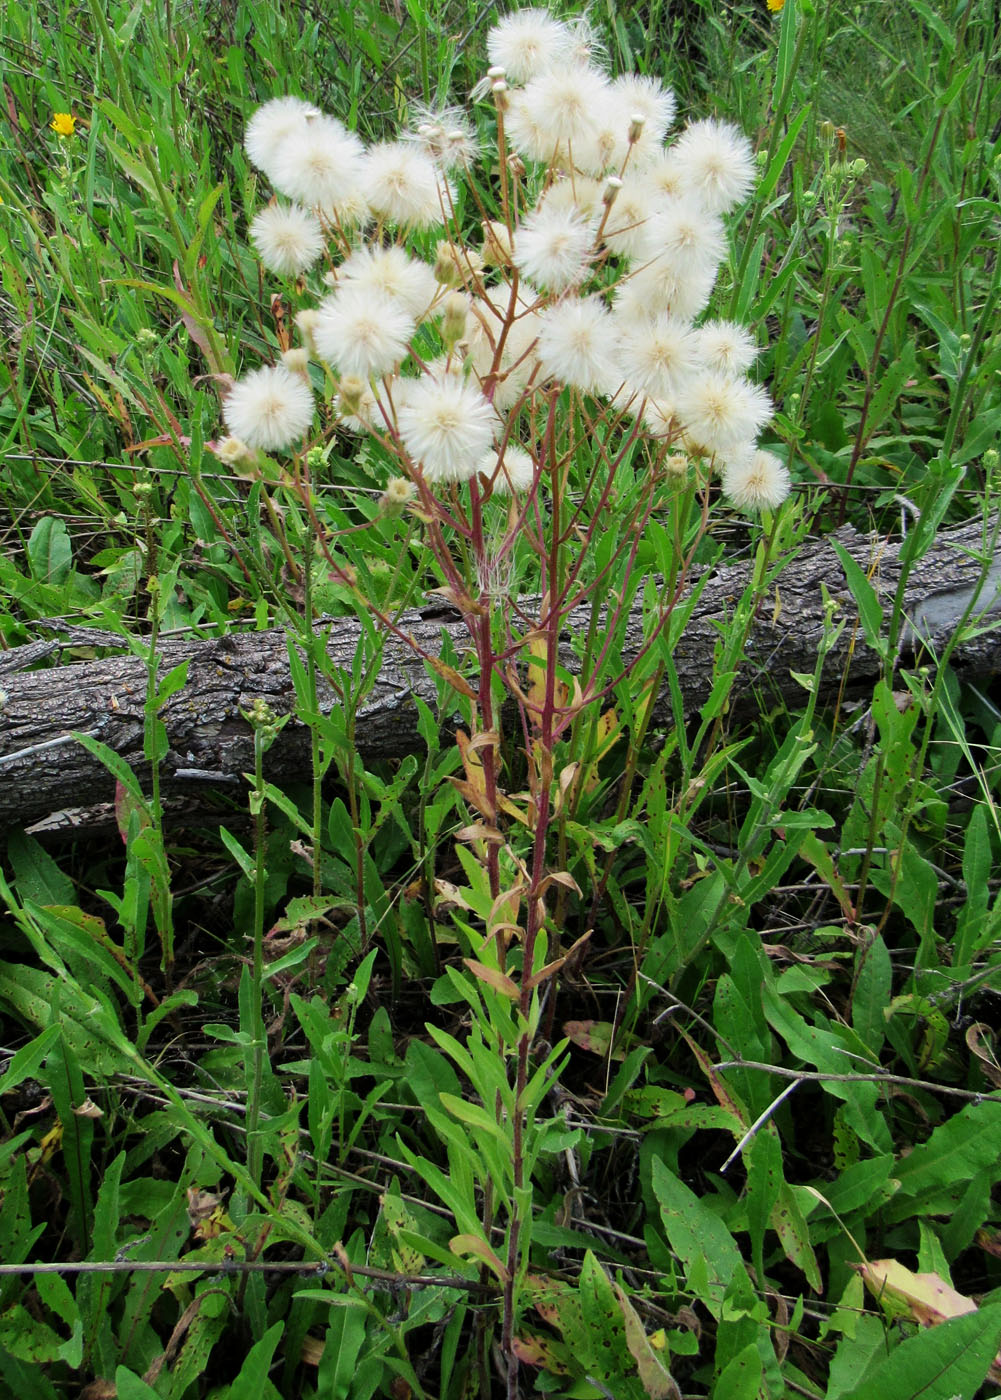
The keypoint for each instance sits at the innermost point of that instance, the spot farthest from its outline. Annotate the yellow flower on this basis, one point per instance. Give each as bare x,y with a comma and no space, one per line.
65,125
775,5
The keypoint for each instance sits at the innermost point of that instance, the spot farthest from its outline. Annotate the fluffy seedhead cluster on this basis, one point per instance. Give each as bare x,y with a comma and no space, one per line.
451,347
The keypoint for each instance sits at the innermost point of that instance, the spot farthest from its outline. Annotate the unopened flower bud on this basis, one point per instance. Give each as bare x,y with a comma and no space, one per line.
453,264
350,393
991,460
306,322
297,360
858,167
496,244
397,496
233,452
827,132
453,325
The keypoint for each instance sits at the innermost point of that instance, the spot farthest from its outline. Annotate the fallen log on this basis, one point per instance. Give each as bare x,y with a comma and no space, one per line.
44,769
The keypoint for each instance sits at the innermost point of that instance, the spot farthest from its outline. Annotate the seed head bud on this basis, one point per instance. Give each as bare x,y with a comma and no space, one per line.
497,71
827,132
397,496
306,322
499,90
516,166
636,124
496,244
610,193
350,392
233,452
297,360
453,264
453,325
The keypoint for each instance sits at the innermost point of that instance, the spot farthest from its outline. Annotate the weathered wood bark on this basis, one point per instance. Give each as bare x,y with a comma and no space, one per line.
44,770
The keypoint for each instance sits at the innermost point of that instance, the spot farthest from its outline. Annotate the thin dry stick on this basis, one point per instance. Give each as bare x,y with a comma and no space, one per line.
819,1076
318,1268
759,1123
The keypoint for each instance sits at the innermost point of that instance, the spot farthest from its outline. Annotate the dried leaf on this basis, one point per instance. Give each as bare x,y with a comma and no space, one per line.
595,1036
493,977
980,1042
927,1298
655,1378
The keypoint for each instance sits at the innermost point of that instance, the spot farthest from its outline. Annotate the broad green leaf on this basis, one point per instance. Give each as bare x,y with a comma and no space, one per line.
50,555
740,1379
697,1236
947,1362
37,875
955,1153
130,1387
253,1379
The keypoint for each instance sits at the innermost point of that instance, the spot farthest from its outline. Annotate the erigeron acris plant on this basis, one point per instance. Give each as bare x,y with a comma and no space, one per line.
519,363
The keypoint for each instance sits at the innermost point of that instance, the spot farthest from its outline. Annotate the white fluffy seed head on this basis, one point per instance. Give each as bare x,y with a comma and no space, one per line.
319,165
270,408
650,100
685,239
582,196
576,343
515,471
362,333
716,164
526,43
657,287
288,238
554,114
551,247
657,356
403,186
756,480
726,347
625,229
722,413
392,274
446,425
446,135
269,126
